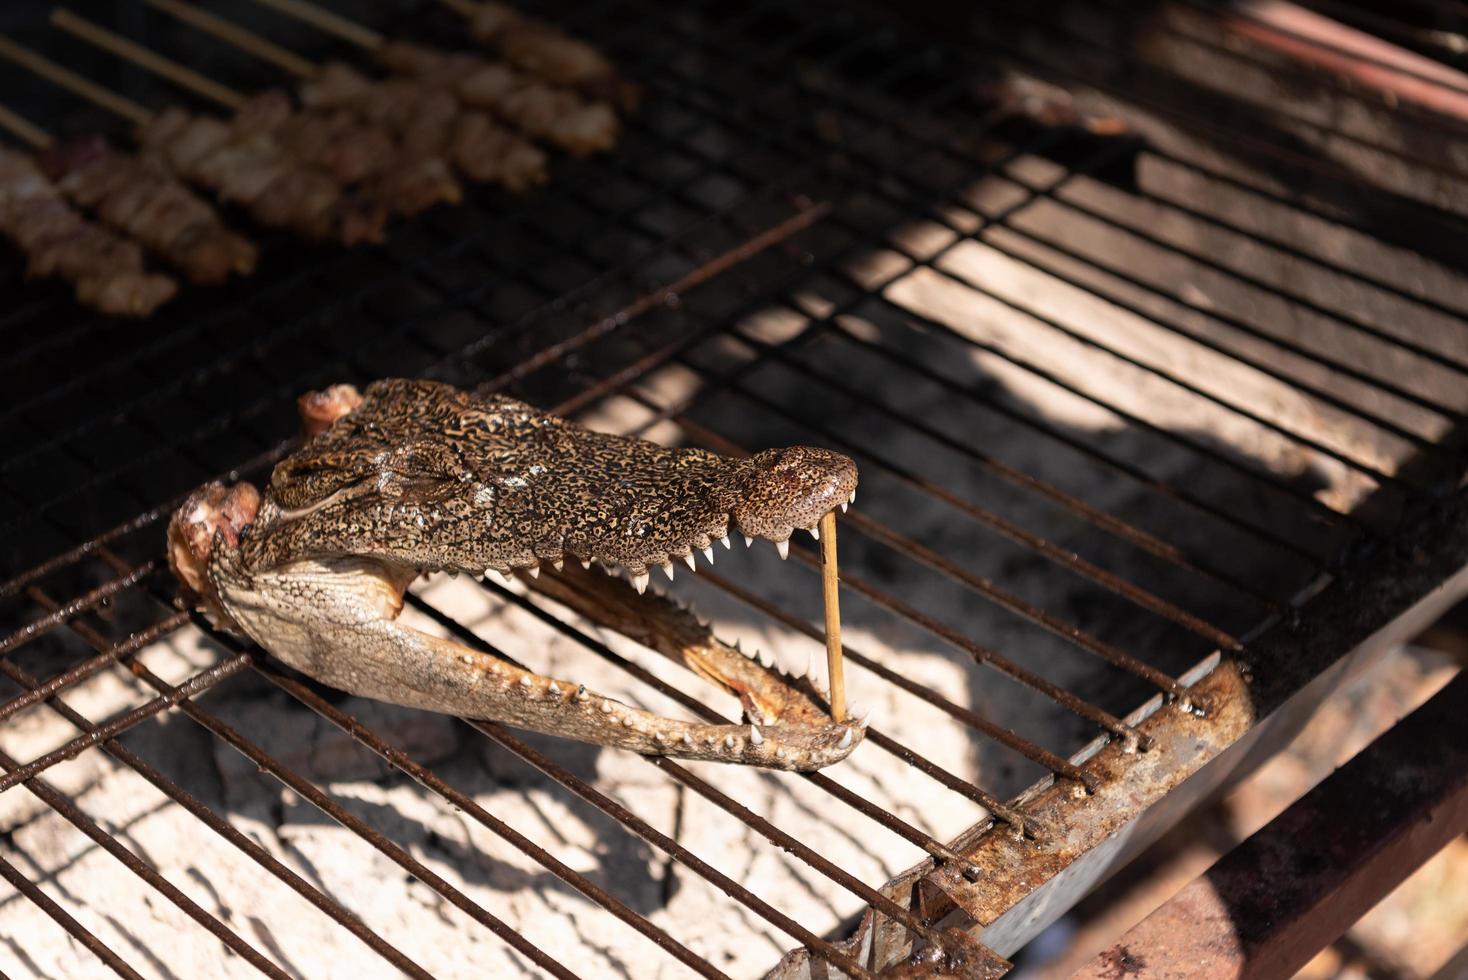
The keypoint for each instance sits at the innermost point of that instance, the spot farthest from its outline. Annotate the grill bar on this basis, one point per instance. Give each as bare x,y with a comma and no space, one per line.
214,822
919,192
1136,474
400,760
890,821
1005,736
751,819
1034,542
1074,505
889,175
78,932
307,790
1193,120
1342,220
98,596
58,802
976,583
671,847
93,665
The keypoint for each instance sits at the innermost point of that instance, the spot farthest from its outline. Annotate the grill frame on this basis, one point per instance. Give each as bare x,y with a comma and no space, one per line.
963,875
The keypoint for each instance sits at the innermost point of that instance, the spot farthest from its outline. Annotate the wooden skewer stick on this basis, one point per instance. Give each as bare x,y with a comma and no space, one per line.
68,79
831,589
332,23
22,128
143,57
241,37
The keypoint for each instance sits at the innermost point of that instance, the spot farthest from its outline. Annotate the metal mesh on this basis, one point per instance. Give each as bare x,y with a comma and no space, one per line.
768,257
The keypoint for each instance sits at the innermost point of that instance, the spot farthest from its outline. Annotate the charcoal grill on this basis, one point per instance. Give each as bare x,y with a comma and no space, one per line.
1118,297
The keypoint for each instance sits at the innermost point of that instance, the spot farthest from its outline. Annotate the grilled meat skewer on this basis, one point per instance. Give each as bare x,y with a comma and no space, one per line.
547,52
143,200
105,270
253,169
430,121
404,179
547,112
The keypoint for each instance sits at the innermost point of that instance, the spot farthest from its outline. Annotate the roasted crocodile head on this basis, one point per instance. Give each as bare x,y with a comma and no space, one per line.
415,476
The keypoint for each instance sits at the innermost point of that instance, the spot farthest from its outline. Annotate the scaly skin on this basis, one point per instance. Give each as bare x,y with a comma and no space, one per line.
417,476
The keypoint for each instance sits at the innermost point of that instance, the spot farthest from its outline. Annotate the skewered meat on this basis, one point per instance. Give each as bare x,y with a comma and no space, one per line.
430,121
253,169
105,270
550,53
556,115
405,179
144,201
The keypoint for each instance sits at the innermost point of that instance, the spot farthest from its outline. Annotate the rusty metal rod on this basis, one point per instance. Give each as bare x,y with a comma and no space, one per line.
267,763
62,918
93,665
461,801
203,813
673,849
197,684
977,583
1005,736
1054,553
893,823
80,604
58,801
1011,474
742,252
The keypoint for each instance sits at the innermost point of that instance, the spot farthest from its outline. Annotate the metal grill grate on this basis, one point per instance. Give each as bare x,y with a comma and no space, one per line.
1126,422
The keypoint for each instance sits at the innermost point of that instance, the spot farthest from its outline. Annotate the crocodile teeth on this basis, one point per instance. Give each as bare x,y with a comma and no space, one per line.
755,737
558,564
766,659
534,571
815,531
525,680
845,739
729,741
725,542
554,690
687,739
748,541
783,547
708,553
667,568
586,563
639,582
805,671
843,507
689,561
853,496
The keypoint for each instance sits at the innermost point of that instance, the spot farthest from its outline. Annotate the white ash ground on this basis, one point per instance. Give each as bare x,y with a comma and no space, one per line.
159,941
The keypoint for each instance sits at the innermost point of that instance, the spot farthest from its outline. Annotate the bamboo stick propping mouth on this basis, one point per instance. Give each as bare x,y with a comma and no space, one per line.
831,593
